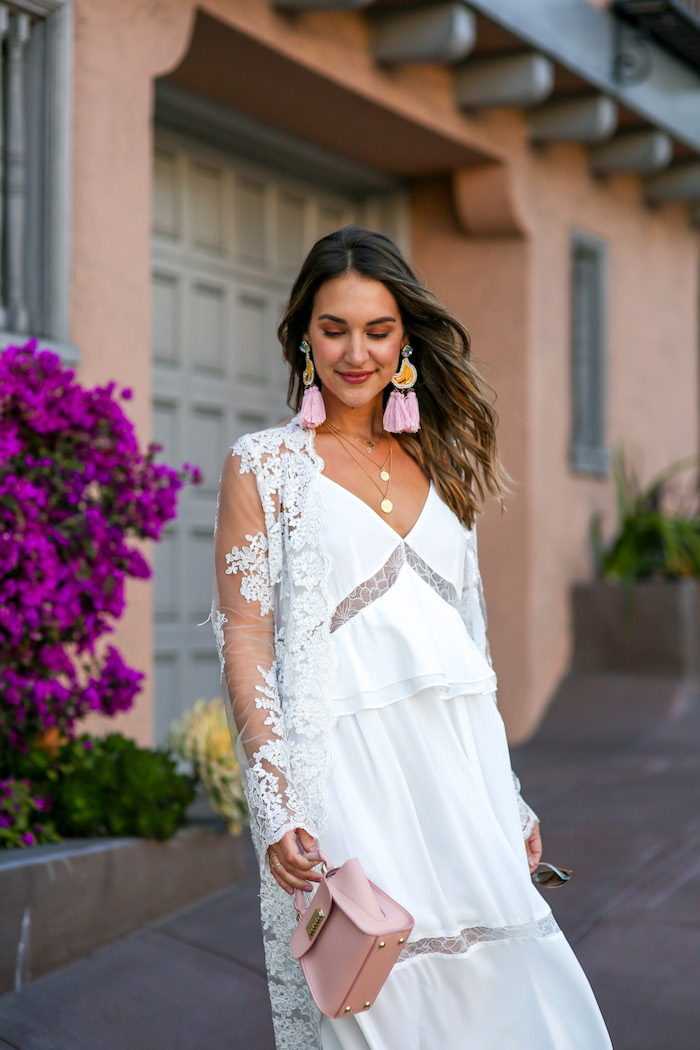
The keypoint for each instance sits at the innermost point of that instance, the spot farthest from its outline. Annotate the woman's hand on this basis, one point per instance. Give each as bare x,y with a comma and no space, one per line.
293,859
533,845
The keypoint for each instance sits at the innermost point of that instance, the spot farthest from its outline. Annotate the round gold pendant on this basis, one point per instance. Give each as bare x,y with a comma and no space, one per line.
387,506
385,475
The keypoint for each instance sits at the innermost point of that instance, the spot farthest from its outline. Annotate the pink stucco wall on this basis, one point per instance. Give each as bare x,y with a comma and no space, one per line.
512,292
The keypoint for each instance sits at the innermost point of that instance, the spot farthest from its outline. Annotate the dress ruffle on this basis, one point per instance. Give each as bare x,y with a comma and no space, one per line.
407,642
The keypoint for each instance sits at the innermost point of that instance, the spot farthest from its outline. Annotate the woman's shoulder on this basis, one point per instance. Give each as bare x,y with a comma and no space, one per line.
257,447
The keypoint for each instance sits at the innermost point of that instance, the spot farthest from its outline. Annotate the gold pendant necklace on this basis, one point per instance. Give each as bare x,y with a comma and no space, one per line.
386,505
369,445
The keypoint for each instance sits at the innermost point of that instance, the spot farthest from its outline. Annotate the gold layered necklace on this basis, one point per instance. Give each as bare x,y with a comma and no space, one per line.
385,505
369,445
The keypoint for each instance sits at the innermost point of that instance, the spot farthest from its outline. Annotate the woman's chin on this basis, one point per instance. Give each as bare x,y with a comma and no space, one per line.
352,395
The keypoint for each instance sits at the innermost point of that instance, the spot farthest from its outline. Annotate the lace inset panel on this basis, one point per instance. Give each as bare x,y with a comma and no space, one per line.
465,940
368,591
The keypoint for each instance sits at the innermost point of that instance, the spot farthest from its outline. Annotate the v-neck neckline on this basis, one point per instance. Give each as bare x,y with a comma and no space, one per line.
311,438
374,514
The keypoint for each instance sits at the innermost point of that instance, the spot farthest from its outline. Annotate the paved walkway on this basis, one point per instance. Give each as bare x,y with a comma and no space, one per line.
615,776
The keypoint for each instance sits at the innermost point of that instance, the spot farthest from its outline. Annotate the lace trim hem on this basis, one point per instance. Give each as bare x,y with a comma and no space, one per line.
465,940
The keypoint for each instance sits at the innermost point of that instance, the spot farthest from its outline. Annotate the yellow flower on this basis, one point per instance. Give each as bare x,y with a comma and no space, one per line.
203,738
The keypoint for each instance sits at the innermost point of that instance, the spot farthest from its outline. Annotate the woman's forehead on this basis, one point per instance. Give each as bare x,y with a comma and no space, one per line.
351,297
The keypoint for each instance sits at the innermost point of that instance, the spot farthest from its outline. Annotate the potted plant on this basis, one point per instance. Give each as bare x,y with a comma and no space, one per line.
640,614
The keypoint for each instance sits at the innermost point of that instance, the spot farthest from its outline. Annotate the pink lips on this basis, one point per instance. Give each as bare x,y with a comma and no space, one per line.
354,377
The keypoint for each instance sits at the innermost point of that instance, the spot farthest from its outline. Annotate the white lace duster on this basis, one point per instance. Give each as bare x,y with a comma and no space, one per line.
272,620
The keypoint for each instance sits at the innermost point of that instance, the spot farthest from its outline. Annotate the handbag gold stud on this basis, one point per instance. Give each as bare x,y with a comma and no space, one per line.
401,940
348,1009
381,944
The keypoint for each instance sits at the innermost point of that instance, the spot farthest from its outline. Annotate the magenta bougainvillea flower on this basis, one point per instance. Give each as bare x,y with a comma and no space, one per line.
76,492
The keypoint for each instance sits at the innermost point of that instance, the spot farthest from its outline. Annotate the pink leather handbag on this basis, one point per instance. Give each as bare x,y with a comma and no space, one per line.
348,939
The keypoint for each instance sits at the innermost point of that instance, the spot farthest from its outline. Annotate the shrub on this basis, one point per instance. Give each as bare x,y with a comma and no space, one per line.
109,786
22,815
74,490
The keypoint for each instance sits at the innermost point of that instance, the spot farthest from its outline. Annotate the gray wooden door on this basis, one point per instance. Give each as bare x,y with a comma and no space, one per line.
228,238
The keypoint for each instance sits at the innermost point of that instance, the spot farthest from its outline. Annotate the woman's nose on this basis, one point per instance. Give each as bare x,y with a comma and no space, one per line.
356,353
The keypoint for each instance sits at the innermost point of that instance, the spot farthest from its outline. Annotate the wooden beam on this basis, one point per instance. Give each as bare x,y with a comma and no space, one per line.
592,118
679,183
485,202
641,152
320,5
443,32
511,80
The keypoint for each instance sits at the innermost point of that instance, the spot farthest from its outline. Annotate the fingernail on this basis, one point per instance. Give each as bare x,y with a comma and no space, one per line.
308,888
289,890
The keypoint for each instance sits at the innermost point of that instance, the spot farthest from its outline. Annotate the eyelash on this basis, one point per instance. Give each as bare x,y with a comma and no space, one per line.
372,335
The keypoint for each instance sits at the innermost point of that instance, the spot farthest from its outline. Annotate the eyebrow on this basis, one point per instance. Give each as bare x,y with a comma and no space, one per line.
341,320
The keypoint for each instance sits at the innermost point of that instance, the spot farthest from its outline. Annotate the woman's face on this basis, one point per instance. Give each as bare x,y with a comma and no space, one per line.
356,335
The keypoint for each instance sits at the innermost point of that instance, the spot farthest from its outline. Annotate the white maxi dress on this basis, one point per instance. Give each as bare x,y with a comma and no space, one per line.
358,678
421,790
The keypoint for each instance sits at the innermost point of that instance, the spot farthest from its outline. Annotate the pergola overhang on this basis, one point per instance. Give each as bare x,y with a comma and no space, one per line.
583,73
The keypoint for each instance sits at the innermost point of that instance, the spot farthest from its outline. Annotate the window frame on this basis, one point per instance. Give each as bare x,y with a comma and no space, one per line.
588,450
48,99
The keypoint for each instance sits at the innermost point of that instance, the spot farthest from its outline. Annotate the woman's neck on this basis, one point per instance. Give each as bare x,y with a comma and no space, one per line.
364,421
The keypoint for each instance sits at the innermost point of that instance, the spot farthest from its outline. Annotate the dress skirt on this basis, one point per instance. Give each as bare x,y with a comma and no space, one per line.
422,792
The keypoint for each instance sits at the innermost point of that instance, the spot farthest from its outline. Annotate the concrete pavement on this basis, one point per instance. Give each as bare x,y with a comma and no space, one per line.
615,776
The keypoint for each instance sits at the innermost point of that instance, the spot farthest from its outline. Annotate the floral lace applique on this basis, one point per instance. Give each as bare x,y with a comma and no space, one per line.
274,805
252,562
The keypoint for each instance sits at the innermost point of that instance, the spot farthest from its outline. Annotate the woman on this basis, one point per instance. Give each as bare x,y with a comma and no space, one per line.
351,630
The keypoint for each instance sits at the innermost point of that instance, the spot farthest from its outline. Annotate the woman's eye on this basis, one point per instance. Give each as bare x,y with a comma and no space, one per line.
378,335
330,335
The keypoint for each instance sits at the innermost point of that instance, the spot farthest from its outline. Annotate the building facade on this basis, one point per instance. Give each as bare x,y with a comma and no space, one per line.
168,165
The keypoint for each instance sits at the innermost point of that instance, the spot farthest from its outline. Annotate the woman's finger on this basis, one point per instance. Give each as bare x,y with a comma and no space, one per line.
290,869
534,847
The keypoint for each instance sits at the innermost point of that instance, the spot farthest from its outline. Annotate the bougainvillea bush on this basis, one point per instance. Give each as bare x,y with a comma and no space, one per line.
76,494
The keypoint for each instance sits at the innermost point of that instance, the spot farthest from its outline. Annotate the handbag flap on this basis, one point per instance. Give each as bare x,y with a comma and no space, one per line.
370,909
352,891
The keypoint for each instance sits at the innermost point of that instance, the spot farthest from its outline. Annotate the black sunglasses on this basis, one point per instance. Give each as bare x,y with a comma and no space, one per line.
551,877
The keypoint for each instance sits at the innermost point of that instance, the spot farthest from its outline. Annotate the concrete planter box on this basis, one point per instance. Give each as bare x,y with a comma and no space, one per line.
58,903
650,628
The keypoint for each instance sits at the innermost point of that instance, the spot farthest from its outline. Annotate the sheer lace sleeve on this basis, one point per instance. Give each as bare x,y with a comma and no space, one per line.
243,617
473,609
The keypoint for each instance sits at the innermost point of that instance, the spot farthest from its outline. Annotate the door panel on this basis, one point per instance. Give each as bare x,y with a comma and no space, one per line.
228,238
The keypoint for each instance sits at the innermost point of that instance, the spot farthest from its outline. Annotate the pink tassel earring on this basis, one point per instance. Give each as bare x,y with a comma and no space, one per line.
402,414
313,410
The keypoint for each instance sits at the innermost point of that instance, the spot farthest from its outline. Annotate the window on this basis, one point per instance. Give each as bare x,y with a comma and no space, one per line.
35,109
587,450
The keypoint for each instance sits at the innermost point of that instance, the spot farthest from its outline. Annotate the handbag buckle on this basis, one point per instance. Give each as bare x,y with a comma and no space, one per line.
314,922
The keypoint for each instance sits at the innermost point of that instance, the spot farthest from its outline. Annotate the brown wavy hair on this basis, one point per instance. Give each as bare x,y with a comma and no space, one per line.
456,444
